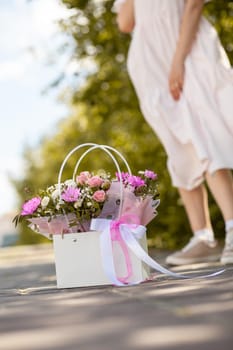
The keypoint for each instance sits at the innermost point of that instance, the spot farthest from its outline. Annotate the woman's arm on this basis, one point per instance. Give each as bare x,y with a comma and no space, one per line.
188,30
125,17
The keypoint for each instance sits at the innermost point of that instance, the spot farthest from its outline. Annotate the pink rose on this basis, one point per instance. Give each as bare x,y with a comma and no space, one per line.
99,196
82,178
95,181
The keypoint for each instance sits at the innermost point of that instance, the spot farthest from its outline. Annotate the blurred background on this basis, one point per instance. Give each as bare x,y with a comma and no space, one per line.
63,82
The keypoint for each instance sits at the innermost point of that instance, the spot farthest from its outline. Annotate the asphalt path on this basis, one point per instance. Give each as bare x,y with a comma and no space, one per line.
164,313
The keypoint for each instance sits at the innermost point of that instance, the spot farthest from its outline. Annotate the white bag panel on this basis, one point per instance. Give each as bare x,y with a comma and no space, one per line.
79,264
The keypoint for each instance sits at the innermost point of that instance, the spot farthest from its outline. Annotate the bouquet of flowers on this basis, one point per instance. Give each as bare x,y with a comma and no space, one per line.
69,207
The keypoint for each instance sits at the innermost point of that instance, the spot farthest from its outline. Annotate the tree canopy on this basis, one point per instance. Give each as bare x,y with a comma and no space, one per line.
104,109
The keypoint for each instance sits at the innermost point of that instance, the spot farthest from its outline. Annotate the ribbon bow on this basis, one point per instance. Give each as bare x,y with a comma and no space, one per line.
127,231
112,231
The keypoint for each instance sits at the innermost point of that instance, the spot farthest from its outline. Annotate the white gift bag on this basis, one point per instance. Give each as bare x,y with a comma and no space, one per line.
78,258
79,264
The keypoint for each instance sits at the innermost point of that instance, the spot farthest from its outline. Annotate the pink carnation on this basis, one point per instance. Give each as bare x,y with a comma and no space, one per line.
95,181
150,174
30,206
135,181
82,178
124,176
99,196
71,194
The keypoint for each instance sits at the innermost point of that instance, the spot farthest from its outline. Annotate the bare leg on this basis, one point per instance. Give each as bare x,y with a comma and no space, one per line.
196,205
221,186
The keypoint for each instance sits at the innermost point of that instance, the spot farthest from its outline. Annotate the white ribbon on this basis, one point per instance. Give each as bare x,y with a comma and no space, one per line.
103,225
130,236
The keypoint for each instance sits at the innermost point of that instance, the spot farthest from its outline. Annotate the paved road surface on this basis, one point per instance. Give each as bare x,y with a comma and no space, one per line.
164,314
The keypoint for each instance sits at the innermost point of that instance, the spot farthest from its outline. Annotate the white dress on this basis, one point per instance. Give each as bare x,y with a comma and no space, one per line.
196,131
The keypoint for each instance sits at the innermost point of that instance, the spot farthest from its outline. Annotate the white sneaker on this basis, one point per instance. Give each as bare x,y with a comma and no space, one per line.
227,254
198,250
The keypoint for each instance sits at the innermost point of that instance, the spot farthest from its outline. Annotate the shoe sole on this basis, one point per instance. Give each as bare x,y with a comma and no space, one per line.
177,261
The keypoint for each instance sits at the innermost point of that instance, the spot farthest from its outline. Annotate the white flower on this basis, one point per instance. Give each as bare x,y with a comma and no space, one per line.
71,183
55,194
59,204
89,204
45,202
78,204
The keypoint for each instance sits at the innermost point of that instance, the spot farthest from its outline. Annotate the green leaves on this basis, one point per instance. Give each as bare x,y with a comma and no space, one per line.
220,13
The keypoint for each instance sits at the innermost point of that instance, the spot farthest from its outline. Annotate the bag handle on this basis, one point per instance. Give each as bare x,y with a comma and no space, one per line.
93,146
103,147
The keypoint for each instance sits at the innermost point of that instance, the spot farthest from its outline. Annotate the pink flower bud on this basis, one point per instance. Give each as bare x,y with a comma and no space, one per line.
82,178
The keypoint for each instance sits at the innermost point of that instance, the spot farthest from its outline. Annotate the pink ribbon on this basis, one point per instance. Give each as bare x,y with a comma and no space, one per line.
127,232
132,221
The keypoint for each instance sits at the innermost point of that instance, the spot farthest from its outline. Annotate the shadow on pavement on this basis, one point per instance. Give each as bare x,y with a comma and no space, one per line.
164,313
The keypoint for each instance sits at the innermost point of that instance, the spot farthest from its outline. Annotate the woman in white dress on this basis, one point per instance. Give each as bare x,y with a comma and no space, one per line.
184,83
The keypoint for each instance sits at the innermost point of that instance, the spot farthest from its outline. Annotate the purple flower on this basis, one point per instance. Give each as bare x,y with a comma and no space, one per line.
123,175
71,194
135,181
150,174
30,206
